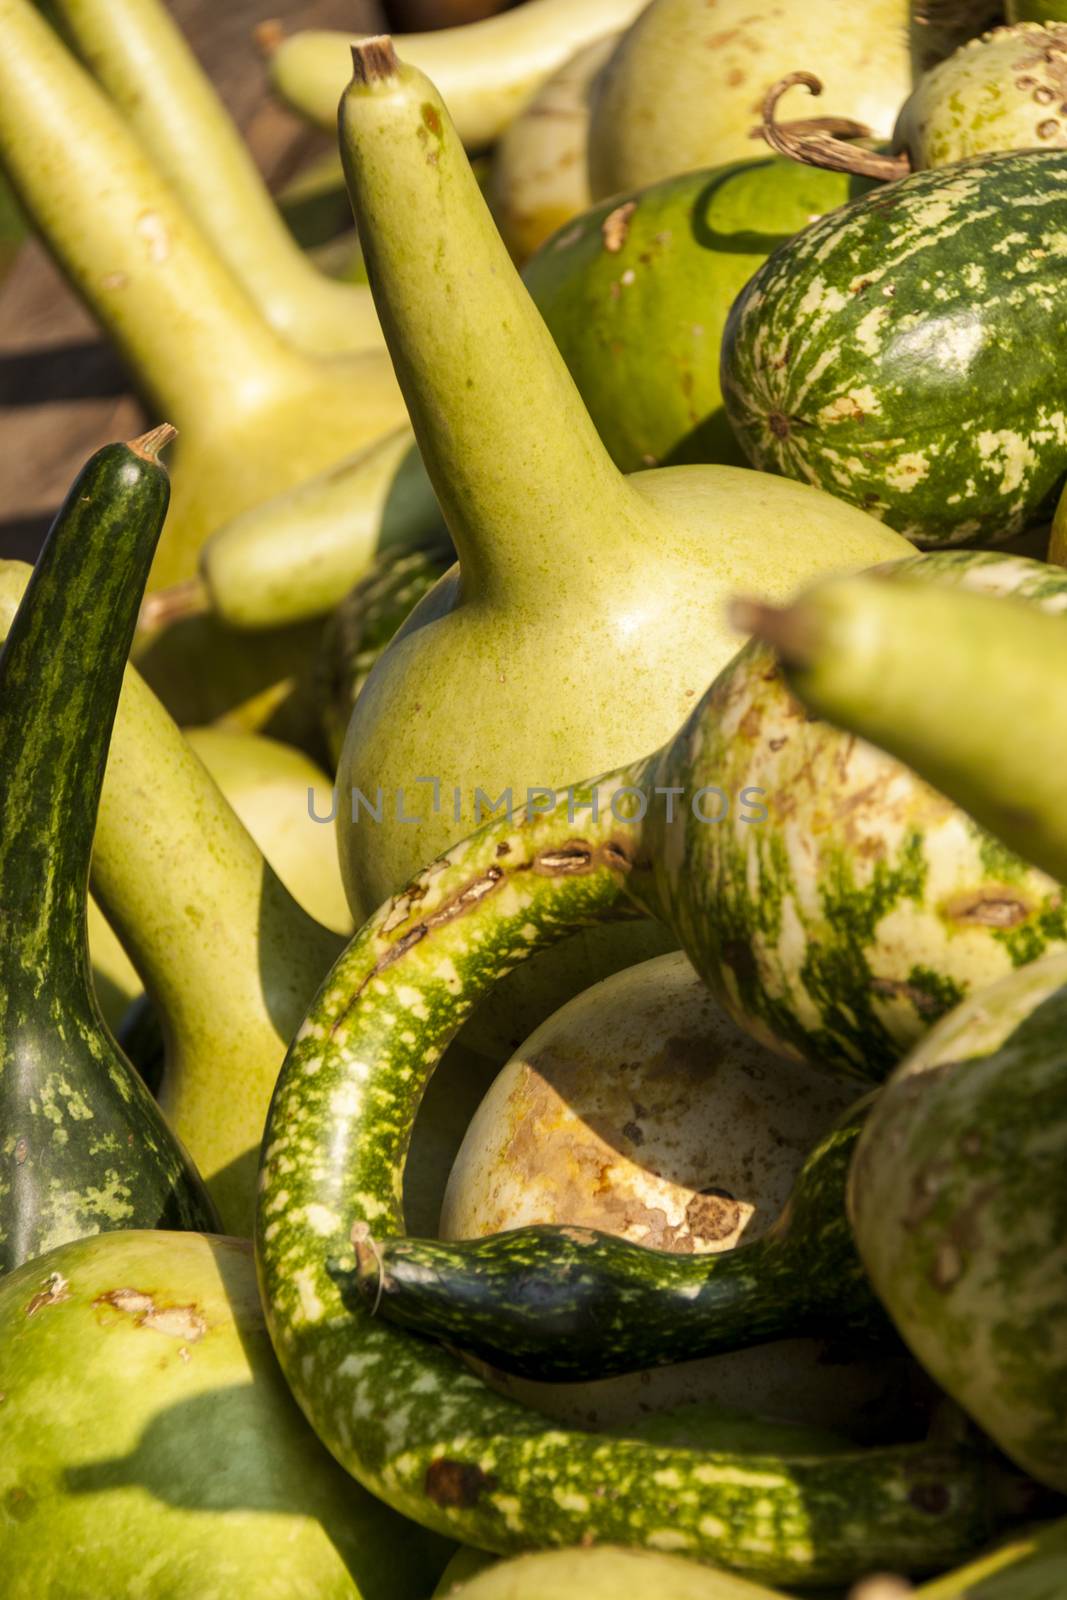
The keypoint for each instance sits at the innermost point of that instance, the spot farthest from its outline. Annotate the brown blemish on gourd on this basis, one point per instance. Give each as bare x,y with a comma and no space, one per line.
458,1484
988,908
926,1005
55,1291
713,1215
779,424
932,1498
615,227
179,1322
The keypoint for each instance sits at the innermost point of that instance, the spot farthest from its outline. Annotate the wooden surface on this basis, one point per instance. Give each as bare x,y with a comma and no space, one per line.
63,393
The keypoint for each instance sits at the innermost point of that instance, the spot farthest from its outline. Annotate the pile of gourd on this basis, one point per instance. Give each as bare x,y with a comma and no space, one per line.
725,1255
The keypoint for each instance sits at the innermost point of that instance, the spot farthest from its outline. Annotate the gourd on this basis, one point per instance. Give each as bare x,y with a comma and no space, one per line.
405,1416
927,406
603,1573
1003,91
637,291
486,71
538,179
562,558
151,1447
1030,1566
1037,10
902,663
683,88
640,1110
956,1196
256,415
138,55
85,1147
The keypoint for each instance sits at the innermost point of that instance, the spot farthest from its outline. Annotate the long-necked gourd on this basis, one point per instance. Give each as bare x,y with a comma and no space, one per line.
562,558
406,1418
890,352
256,415
901,663
151,1446
85,1148
957,1196
639,1109
486,71
1002,91
137,53
683,88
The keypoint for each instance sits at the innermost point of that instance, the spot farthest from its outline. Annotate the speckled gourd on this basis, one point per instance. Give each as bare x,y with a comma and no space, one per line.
254,414
561,557
85,1148
957,1195
686,83
486,71
152,1447
404,1415
138,55
639,1109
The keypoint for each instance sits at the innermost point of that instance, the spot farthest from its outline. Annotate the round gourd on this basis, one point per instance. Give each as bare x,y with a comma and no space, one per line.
637,291
639,1109
153,1449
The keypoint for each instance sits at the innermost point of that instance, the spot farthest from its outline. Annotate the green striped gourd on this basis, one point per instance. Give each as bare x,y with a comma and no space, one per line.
85,1148
152,1449
138,55
636,294
683,89
890,353
967,688
957,1196
640,1110
406,1418
486,71
562,557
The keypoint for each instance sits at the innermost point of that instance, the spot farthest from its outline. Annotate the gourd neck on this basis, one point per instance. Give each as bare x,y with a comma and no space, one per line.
188,331
532,500
139,55
60,675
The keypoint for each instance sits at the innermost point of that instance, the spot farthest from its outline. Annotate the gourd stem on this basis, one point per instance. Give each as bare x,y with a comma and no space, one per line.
518,467
141,59
822,148
188,331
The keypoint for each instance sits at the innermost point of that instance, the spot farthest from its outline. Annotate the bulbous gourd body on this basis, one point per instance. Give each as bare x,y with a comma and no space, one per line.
686,83
1004,91
639,1109
956,1196
85,1147
929,406
604,1573
538,178
152,1445
849,905
636,294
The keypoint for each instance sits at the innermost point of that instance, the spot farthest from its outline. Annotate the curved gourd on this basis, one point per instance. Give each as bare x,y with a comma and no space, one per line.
537,177
86,1149
561,557
152,1447
486,71
404,1415
956,1196
255,415
900,664
137,53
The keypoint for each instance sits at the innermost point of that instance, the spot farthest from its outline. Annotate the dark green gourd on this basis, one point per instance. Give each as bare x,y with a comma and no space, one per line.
84,1147
568,1303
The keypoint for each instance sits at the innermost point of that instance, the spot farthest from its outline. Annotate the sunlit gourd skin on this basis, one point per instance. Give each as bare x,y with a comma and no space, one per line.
562,558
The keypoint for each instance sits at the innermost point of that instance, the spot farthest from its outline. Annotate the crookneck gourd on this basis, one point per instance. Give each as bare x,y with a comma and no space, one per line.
151,1446
891,352
405,1416
905,665
957,1196
85,1148
562,558
640,1110
682,89
486,71
138,55
256,416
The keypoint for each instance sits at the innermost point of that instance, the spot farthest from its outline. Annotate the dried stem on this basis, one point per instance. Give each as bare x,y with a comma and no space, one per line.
822,148
374,59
